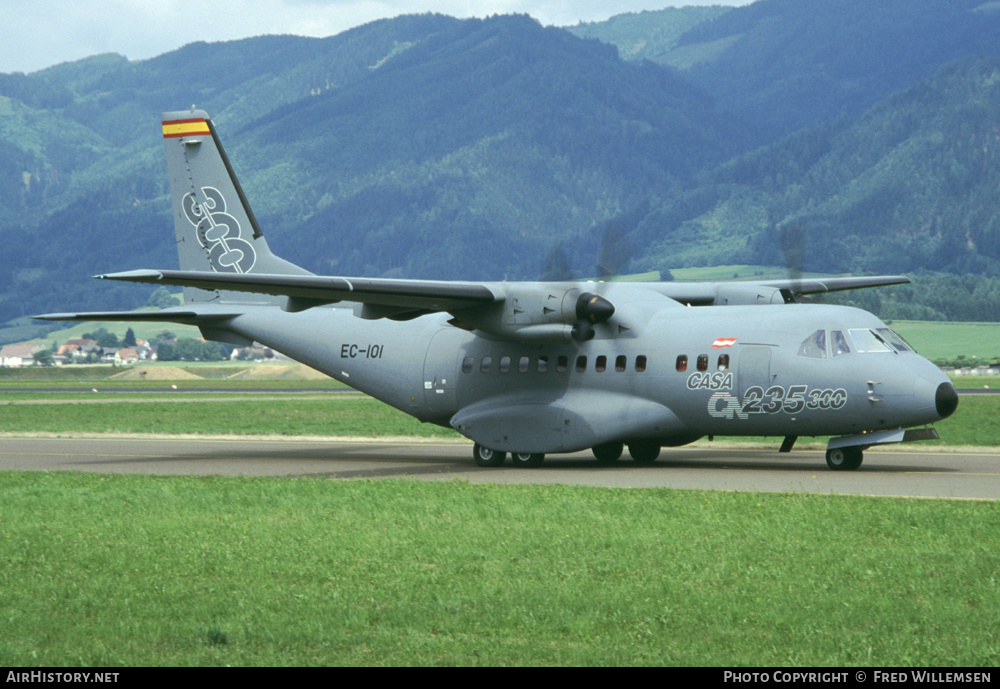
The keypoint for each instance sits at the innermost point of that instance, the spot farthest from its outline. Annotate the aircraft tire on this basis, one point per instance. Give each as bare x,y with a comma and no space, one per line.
608,453
844,458
485,457
527,460
644,452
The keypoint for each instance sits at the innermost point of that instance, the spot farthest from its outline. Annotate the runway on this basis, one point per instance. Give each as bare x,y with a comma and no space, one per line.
899,472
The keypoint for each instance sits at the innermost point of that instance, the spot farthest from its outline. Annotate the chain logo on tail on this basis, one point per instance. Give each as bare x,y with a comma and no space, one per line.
219,232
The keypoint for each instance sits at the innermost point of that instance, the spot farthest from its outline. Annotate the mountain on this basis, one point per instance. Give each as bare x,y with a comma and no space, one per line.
784,65
909,186
835,136
422,146
649,35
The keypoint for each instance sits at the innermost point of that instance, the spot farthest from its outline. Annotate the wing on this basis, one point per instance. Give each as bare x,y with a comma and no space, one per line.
767,291
389,297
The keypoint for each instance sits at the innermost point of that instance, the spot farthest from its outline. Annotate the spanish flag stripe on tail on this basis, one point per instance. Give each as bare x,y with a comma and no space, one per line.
178,128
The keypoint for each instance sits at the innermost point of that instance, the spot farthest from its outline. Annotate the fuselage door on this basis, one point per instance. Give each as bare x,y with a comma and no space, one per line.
441,370
754,369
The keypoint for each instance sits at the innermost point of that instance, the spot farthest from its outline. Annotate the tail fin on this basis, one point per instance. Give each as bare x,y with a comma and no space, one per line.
216,229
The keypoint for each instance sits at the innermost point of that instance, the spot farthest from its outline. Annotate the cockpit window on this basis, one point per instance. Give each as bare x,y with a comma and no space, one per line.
898,343
838,344
868,341
814,346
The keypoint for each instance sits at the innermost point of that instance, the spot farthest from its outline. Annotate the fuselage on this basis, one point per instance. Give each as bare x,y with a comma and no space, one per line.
673,375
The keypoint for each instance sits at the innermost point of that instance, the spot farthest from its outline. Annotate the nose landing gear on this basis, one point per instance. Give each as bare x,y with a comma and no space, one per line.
844,458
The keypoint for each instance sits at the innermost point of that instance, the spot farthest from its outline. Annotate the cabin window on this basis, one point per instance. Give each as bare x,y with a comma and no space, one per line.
601,364
562,363
543,364
522,364
814,346
682,363
723,362
640,363
620,363
838,344
487,364
581,364
703,362
504,364
467,364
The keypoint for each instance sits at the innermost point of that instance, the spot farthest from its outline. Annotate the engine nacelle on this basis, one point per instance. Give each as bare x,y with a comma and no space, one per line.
541,314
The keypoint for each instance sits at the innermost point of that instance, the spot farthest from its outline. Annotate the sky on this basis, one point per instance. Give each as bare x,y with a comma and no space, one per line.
36,34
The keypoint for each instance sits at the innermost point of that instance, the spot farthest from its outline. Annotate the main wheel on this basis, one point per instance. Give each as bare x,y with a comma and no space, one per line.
608,453
485,457
644,452
844,458
527,460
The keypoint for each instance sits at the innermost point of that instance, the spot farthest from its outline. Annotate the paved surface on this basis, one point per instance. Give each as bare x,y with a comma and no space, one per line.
903,471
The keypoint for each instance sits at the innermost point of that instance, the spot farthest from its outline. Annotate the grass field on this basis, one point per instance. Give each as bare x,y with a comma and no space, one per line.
979,342
321,414
129,570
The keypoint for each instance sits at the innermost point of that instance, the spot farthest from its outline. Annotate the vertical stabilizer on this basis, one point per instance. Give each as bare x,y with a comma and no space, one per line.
216,229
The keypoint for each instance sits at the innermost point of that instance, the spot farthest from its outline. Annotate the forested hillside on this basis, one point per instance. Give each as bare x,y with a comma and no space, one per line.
834,137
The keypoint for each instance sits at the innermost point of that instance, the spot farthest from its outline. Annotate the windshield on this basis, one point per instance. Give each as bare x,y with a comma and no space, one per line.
868,341
898,343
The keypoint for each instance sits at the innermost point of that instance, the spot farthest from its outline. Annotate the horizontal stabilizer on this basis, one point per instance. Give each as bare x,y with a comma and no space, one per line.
184,317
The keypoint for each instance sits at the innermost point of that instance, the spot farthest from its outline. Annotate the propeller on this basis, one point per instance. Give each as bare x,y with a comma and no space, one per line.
792,239
591,308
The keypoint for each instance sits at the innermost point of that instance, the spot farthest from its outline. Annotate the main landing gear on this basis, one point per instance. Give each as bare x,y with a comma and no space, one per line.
642,452
485,457
844,458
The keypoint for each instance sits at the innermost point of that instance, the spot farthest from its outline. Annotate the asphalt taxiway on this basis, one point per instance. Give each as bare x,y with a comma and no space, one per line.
901,471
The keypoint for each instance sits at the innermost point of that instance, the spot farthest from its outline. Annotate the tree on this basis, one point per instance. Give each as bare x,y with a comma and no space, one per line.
129,340
162,299
107,340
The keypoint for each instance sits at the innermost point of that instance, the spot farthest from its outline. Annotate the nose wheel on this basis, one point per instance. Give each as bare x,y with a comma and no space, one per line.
844,458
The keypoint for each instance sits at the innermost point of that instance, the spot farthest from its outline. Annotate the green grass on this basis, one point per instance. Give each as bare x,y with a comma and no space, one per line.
979,342
139,570
352,415
235,412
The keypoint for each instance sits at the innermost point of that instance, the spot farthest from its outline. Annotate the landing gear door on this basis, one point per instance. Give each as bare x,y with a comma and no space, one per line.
754,369
441,370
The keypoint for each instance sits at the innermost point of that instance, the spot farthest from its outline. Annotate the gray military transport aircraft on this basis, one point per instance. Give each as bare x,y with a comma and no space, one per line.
530,368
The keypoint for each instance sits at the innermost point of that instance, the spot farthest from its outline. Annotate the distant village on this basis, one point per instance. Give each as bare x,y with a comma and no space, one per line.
103,347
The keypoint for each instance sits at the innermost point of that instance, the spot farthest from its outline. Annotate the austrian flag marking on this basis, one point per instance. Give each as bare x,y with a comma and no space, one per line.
724,342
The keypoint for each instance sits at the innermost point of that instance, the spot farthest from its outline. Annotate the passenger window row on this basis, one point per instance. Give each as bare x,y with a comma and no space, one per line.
702,362
544,363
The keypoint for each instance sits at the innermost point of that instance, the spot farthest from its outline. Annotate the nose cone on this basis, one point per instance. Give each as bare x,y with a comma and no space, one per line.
946,400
